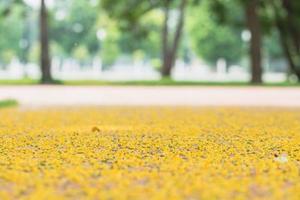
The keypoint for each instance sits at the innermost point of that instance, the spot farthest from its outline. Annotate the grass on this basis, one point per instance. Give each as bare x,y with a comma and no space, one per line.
169,82
19,82
162,82
150,153
8,103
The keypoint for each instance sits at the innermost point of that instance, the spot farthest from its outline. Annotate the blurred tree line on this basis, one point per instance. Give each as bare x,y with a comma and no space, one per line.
157,30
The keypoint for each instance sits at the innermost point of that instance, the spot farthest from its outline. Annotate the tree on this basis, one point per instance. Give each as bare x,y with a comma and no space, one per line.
147,38
287,20
170,45
214,40
45,61
253,23
254,26
129,13
73,24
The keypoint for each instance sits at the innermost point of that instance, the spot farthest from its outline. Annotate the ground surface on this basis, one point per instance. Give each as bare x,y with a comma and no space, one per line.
149,153
139,95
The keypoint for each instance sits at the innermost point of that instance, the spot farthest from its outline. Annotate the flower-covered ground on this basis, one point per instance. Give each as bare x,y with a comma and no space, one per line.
150,153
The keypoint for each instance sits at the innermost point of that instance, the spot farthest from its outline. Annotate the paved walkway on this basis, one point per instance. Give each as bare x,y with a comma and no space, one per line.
189,96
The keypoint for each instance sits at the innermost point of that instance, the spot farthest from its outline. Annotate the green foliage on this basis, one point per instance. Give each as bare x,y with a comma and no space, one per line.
74,24
211,40
146,36
81,53
272,45
129,12
140,24
10,34
110,48
110,53
227,12
133,27
34,53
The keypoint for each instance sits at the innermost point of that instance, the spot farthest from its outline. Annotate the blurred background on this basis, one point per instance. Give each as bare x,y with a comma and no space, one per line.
251,41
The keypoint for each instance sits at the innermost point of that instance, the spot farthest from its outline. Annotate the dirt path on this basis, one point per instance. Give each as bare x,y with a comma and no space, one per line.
190,96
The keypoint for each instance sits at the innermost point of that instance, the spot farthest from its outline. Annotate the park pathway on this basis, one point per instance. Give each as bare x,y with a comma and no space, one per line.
148,96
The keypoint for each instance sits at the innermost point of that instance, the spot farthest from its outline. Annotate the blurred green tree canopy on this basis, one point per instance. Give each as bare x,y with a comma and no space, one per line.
155,31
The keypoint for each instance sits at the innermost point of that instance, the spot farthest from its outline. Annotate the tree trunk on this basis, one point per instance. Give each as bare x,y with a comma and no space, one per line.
294,68
292,23
179,30
44,42
166,64
289,37
170,50
254,26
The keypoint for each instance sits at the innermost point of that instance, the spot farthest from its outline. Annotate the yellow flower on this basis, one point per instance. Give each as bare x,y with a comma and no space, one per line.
149,153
